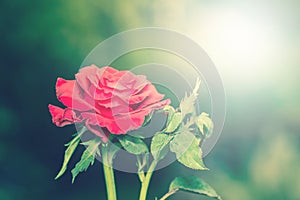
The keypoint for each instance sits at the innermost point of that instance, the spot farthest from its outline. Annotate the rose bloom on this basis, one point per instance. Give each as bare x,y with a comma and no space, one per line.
105,100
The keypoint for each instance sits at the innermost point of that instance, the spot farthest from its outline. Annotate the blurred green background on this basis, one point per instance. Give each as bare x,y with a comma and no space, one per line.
254,44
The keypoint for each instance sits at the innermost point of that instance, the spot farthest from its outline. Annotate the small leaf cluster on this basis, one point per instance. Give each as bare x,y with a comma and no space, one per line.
87,159
183,133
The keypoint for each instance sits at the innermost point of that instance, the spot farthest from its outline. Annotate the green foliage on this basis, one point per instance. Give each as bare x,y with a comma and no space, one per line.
148,119
192,184
68,153
188,152
204,124
133,145
72,145
170,109
174,122
142,161
87,158
187,105
112,150
174,119
160,145
182,141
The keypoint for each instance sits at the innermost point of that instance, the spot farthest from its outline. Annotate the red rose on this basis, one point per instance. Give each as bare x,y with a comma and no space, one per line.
105,98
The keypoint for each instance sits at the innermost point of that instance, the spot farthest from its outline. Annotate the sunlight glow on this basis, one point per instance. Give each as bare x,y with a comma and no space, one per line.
239,44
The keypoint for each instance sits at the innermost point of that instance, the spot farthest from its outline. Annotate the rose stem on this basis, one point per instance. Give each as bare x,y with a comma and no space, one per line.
145,183
109,176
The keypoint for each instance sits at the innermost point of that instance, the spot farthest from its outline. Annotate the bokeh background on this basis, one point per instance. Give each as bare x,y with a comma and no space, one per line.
254,44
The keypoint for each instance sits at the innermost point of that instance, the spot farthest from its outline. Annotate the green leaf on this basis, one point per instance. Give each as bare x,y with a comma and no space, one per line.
87,158
173,123
137,134
171,111
197,87
68,154
192,184
204,124
188,152
188,102
174,119
133,145
159,145
72,145
147,119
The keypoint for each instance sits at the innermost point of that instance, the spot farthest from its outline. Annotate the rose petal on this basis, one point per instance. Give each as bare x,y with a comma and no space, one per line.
99,122
152,96
97,131
130,121
62,117
88,78
64,91
68,92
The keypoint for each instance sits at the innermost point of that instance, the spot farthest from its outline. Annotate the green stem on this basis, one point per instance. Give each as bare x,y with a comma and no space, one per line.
109,175
168,194
146,181
141,176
